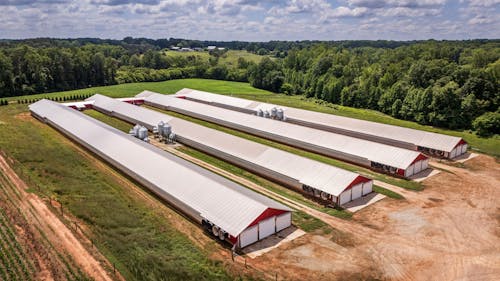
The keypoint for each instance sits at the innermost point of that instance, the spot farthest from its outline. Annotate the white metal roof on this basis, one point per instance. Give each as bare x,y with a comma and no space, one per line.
416,137
363,149
321,176
217,199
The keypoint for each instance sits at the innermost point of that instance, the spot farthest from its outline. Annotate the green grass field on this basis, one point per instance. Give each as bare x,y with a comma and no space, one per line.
229,59
199,55
485,145
142,243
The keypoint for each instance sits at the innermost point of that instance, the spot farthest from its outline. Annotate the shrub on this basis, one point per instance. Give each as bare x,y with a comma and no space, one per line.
487,124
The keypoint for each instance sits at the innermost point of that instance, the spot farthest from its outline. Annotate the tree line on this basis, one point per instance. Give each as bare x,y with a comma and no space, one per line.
446,84
450,84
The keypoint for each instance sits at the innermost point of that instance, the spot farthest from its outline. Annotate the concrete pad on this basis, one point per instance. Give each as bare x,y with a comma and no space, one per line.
425,174
464,157
273,241
363,202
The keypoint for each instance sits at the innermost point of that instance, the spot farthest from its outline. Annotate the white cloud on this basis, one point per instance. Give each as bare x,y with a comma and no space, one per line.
484,3
478,20
348,12
250,19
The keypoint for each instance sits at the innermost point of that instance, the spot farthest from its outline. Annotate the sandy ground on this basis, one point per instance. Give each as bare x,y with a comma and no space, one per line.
363,202
41,219
449,231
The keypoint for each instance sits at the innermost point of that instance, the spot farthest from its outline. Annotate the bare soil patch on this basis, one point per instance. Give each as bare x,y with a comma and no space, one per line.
448,231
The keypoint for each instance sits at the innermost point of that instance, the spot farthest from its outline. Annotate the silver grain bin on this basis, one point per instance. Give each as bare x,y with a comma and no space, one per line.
273,112
279,114
142,133
167,129
160,128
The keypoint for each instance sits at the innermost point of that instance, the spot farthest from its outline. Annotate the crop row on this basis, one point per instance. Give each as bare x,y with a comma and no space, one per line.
15,264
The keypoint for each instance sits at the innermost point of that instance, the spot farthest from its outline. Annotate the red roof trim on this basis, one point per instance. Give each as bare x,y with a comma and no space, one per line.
461,142
267,214
419,158
358,179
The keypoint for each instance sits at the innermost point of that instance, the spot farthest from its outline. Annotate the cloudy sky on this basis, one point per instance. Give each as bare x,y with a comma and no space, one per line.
252,20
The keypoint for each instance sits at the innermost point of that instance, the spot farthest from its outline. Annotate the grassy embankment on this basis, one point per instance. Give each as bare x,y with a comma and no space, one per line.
142,242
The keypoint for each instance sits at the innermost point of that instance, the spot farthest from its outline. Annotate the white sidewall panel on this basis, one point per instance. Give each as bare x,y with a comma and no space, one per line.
283,221
464,148
249,236
417,167
267,227
425,164
409,171
357,191
345,197
367,187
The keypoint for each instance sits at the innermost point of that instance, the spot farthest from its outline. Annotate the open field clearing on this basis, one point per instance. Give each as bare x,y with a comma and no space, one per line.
229,58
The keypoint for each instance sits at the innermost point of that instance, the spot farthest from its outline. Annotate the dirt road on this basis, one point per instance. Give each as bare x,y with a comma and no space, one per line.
54,230
448,231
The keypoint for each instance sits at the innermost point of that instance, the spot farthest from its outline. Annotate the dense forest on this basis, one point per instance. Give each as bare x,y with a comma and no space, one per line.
450,84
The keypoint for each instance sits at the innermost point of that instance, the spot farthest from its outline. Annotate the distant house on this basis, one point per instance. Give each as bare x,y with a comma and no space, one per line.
186,50
174,48
198,49
211,48
221,48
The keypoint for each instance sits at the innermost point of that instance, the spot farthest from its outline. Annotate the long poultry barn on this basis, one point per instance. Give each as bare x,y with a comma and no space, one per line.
380,157
325,182
429,143
228,210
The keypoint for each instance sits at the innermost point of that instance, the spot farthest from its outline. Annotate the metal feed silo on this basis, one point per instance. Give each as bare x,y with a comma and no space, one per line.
260,112
273,112
279,114
160,128
142,133
167,129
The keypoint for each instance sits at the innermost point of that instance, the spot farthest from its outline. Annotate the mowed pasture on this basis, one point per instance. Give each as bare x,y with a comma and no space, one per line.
484,145
229,58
